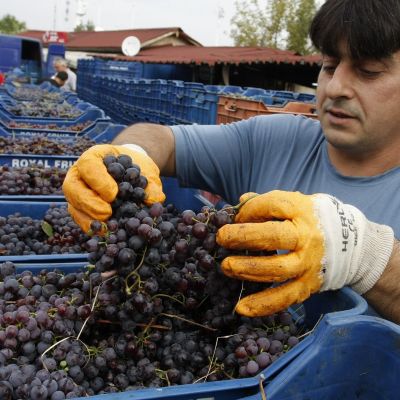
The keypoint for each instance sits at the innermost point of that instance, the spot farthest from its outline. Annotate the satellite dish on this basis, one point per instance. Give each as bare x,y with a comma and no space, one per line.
130,46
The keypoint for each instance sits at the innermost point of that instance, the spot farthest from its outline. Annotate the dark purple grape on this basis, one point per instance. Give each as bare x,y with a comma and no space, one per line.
263,360
292,341
275,347
199,230
125,160
156,210
126,256
116,170
109,159
96,226
252,367
132,175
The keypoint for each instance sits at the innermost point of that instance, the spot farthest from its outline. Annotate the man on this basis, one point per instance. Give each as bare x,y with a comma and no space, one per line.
60,65
352,153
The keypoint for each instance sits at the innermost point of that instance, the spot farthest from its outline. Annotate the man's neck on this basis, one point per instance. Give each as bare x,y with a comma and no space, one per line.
371,164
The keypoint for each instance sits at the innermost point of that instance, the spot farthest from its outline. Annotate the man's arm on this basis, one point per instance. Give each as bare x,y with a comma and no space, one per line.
157,140
384,297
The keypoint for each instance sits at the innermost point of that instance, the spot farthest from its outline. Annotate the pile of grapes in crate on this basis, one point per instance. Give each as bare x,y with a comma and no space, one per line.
44,146
44,109
34,93
31,180
78,127
56,233
152,309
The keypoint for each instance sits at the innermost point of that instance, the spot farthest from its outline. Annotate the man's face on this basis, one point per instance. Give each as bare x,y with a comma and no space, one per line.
59,67
359,102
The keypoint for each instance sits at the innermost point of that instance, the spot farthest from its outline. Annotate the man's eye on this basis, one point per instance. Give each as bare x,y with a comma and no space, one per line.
368,73
330,69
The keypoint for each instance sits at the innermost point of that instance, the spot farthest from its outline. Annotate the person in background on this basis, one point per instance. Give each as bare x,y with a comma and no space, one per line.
61,65
59,79
328,188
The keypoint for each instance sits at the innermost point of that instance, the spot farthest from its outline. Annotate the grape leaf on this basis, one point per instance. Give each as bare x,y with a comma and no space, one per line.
47,229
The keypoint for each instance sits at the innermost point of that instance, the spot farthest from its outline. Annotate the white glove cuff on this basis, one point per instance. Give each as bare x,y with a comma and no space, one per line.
356,249
135,147
375,254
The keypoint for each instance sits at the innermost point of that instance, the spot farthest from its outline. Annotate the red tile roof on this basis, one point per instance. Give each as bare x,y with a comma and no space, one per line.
112,40
217,55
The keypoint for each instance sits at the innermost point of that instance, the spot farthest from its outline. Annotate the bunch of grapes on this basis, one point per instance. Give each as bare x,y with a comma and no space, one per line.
70,335
35,93
170,263
153,309
43,145
49,126
56,233
44,109
31,180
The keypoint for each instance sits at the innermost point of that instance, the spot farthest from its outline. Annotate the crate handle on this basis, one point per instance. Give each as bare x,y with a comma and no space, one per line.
231,108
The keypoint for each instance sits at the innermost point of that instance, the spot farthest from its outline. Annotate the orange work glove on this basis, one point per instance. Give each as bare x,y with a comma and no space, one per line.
90,190
330,245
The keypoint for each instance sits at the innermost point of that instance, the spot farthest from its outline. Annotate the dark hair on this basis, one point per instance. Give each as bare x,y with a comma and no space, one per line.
62,75
371,28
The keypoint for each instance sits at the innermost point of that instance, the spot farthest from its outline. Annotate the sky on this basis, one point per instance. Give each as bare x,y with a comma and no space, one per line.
207,21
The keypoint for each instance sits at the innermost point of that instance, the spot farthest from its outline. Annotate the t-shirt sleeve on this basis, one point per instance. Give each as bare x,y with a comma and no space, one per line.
229,159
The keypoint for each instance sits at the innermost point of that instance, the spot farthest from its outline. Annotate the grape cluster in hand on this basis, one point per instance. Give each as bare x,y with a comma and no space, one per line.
170,263
43,145
31,180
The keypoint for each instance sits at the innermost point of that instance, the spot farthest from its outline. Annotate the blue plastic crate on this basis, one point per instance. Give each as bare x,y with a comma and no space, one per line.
203,109
251,92
29,160
83,107
340,305
93,116
307,97
232,90
357,357
107,135
37,210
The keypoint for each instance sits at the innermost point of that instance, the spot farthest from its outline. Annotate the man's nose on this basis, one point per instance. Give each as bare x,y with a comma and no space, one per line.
340,83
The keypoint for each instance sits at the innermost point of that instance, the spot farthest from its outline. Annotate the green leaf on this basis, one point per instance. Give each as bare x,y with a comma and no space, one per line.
47,229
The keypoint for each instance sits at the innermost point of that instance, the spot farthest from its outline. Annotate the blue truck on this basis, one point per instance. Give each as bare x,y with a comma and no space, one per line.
27,54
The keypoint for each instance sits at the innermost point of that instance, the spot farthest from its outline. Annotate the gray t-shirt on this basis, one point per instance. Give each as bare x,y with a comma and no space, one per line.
284,152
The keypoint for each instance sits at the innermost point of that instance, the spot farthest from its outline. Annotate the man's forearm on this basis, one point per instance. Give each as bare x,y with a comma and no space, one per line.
384,297
157,140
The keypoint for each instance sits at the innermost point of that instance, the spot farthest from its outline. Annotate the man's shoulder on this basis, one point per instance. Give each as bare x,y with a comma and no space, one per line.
288,126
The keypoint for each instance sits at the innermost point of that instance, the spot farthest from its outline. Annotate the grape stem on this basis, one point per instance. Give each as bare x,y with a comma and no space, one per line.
93,305
262,389
163,375
161,327
188,321
169,297
127,287
212,360
241,204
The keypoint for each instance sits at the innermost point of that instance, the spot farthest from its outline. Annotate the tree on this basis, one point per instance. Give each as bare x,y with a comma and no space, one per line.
276,12
249,25
298,24
10,25
276,24
88,27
